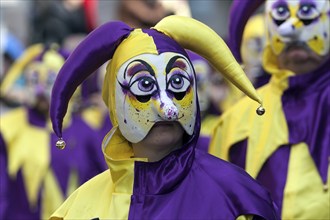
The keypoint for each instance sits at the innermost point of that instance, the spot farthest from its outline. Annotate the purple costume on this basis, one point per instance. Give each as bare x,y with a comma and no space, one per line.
288,152
82,158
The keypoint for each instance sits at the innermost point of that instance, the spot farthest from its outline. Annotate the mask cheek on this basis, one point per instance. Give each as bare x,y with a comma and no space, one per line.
273,37
317,45
319,42
277,45
187,111
135,119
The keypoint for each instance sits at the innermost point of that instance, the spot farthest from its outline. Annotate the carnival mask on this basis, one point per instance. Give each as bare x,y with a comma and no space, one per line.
40,76
152,88
300,22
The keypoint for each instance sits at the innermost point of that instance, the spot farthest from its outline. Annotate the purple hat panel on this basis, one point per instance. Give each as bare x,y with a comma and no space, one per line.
240,12
164,43
97,48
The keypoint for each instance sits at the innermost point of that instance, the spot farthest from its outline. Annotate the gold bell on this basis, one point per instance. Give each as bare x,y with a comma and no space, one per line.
60,144
260,110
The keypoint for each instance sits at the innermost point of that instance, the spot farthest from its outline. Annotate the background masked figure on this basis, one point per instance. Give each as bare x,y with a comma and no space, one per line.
207,106
92,108
155,170
251,48
287,150
253,43
35,178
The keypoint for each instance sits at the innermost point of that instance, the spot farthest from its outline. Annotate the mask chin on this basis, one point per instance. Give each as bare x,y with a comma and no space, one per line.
133,135
296,44
136,135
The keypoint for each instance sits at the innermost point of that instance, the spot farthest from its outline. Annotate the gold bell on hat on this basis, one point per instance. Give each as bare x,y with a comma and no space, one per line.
260,110
60,144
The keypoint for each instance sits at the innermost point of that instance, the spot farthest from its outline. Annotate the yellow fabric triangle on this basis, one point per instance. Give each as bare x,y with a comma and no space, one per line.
35,160
305,181
52,196
94,117
73,183
28,149
241,121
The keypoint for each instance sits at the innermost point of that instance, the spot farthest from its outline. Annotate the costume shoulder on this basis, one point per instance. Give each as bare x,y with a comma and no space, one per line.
93,117
9,123
246,194
91,200
264,134
230,125
241,122
208,124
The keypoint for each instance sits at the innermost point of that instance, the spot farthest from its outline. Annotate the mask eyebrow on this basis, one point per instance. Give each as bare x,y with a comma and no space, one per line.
281,3
174,62
140,65
307,2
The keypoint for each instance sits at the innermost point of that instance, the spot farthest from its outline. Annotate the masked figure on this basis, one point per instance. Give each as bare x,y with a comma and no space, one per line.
287,150
35,178
253,43
155,169
208,108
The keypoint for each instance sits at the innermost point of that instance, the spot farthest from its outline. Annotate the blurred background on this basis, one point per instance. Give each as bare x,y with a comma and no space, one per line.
25,23
19,15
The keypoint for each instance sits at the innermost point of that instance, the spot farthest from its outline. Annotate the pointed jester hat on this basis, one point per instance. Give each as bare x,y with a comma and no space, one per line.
119,43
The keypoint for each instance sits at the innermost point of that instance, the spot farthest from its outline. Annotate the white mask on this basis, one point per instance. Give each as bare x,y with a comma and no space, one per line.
304,22
152,88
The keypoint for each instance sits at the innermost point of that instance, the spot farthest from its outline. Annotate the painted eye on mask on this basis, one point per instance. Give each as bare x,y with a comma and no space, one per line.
307,13
280,14
178,83
143,88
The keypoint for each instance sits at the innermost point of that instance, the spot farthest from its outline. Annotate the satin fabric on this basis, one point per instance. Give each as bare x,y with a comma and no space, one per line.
208,124
98,121
186,184
295,128
36,177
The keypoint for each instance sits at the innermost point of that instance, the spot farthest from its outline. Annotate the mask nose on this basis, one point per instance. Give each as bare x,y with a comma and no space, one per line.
166,108
290,28
170,113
